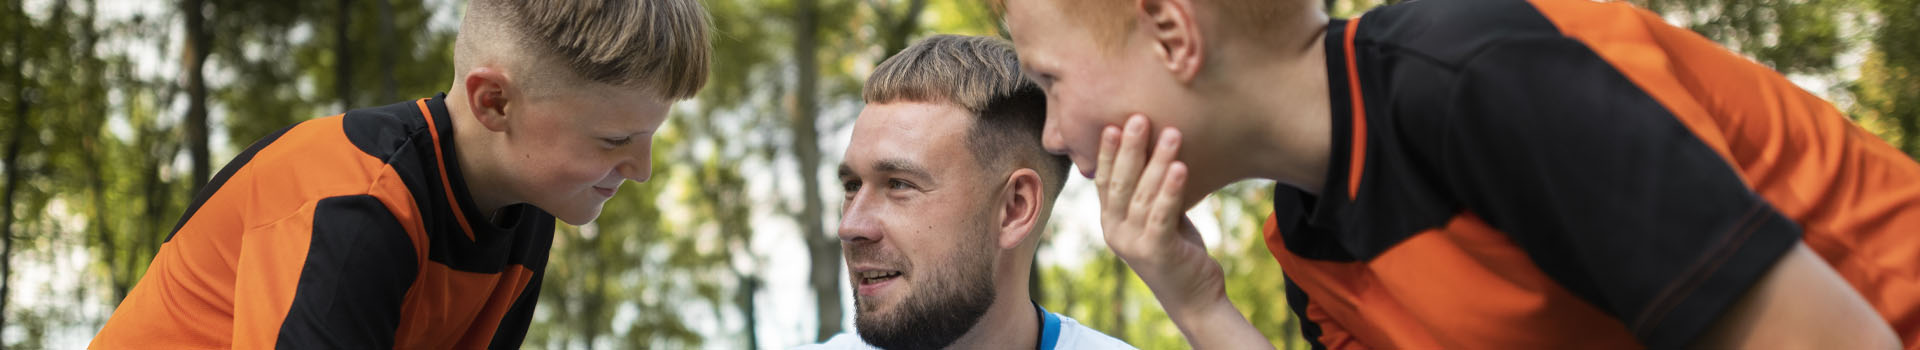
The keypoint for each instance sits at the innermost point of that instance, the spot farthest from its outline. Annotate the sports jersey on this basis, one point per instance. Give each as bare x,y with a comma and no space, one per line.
1559,174
350,231
1056,332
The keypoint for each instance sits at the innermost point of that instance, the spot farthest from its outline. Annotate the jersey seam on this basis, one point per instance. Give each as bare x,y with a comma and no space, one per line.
1702,270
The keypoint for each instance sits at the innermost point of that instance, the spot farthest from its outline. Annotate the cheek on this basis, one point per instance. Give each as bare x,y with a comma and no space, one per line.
569,167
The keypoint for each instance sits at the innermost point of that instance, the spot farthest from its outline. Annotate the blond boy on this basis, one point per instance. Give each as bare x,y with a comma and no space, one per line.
425,224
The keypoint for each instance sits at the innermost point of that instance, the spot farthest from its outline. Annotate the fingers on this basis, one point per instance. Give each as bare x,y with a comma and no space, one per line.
1163,154
1165,208
1109,143
1127,163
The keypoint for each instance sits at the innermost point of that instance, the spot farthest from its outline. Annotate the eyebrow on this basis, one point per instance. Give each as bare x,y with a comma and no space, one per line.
896,165
892,165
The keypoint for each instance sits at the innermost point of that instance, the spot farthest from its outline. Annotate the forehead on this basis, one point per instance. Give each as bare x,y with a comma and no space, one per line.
1041,35
928,133
1027,20
604,102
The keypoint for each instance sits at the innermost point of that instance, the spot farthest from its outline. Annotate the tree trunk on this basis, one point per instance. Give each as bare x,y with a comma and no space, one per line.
198,45
159,197
749,285
824,250
90,154
1909,125
22,110
343,55
898,31
1119,298
388,48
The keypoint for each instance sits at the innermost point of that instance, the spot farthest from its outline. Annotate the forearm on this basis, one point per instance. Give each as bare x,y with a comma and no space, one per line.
1802,303
1217,325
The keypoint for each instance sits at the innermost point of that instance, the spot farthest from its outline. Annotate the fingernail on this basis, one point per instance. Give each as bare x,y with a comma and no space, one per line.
1136,125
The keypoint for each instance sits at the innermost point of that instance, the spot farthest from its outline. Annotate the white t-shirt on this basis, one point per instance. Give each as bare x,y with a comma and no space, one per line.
1065,333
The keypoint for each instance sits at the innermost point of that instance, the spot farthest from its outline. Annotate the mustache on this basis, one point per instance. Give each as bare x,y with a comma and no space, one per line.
873,253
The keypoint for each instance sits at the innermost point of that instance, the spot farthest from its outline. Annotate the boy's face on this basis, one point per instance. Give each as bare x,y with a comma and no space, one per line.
571,148
1089,87
917,225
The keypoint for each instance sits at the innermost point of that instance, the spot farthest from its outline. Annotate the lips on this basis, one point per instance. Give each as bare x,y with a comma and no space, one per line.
871,282
604,192
872,277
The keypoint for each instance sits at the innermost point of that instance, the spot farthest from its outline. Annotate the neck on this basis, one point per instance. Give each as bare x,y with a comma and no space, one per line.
1289,121
1012,322
472,143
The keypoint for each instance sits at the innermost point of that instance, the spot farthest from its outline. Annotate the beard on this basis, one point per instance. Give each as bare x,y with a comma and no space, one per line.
955,295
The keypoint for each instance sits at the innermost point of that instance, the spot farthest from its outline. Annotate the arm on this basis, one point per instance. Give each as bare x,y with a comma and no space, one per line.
1800,304
1143,221
333,276
1621,202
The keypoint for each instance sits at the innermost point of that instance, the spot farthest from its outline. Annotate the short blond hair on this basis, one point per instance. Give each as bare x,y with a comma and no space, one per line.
1109,20
981,75
659,44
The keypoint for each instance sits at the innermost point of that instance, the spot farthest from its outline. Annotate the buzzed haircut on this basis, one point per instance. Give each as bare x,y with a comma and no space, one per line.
1251,21
659,44
981,75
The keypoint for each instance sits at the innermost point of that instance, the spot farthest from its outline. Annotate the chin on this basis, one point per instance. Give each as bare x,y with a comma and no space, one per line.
578,219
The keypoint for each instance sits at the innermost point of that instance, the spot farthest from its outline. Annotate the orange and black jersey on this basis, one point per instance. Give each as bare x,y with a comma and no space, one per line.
352,231
1513,174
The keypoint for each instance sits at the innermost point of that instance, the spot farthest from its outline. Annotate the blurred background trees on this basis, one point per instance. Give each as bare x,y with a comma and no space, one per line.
114,112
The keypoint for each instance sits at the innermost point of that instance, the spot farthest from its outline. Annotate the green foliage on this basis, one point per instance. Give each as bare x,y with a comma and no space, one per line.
91,107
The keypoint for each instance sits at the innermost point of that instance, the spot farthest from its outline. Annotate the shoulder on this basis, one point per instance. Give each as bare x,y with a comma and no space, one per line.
1073,335
382,131
842,341
339,155
1450,32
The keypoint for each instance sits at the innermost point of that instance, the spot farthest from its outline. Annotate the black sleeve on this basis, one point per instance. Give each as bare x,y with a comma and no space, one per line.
1605,189
512,331
1297,300
358,269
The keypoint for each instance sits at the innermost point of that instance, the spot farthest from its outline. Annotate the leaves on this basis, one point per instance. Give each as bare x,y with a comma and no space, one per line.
102,175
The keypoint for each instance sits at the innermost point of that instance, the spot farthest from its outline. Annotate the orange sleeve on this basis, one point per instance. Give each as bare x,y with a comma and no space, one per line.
1320,329
333,274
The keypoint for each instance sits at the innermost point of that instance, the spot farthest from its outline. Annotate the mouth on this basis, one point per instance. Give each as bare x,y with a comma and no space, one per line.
871,282
605,192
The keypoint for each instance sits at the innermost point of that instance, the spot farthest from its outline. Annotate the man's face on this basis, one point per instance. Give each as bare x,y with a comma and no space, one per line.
571,148
917,225
1088,87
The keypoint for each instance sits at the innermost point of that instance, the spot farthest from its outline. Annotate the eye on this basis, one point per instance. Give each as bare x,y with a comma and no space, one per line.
617,141
851,186
897,184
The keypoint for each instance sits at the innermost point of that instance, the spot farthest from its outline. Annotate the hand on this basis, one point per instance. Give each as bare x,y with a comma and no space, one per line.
1145,223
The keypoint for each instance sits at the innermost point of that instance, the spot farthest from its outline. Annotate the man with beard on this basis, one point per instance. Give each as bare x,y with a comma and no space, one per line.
947,192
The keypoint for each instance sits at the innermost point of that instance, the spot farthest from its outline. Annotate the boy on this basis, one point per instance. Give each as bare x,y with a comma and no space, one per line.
425,224
1483,174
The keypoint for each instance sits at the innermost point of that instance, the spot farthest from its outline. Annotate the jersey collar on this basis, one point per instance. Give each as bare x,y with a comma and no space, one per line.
1049,328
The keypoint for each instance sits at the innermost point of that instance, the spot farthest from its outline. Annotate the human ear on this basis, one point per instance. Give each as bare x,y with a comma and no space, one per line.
1020,208
488,97
1177,39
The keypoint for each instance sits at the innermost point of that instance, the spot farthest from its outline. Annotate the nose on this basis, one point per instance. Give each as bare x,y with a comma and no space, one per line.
1050,137
639,166
858,221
